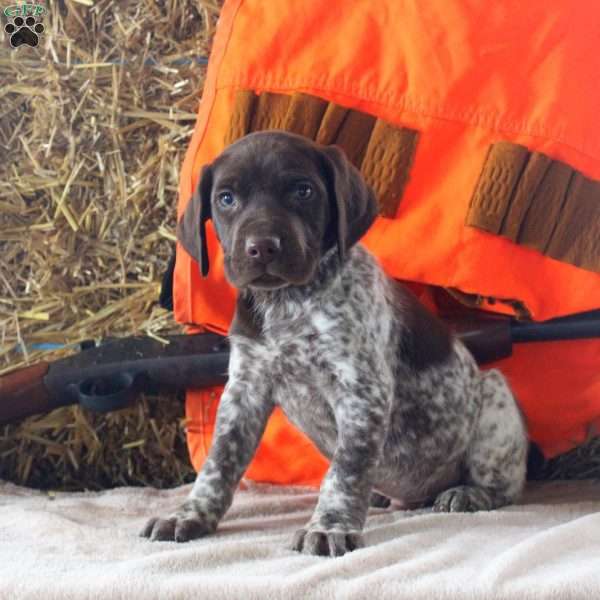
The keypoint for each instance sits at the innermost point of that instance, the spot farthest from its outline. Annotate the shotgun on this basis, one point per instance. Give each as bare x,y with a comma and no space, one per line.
110,375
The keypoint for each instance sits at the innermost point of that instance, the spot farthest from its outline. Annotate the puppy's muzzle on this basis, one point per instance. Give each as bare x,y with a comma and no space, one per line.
269,250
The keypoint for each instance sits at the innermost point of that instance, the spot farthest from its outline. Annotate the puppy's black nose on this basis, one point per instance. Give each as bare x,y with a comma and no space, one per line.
263,250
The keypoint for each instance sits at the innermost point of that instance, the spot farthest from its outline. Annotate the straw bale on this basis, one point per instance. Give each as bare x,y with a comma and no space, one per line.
94,124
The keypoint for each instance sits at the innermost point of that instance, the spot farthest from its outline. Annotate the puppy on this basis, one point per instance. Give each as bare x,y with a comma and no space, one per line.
379,385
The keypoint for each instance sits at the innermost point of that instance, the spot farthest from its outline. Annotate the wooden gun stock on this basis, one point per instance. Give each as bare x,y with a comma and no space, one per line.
23,393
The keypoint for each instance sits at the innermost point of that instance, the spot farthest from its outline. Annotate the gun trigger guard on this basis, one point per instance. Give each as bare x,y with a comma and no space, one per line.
107,393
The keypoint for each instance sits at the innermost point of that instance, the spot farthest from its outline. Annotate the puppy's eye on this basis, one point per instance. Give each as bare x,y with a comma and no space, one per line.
304,190
225,198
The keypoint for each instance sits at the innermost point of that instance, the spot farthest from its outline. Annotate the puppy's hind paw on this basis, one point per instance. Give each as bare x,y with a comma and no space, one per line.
463,498
326,543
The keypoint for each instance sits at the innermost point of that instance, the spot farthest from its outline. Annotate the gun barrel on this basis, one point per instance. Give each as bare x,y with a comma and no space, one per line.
574,327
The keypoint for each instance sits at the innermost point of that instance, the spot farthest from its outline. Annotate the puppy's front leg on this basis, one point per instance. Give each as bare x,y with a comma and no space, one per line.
336,525
240,423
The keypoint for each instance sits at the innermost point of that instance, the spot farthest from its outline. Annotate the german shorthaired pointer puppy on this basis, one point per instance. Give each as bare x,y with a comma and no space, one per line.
380,386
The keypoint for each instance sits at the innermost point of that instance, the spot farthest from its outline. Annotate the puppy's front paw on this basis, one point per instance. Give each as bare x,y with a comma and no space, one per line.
463,498
326,543
186,524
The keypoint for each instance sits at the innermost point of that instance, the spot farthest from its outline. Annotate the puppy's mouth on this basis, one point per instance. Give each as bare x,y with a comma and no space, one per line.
267,281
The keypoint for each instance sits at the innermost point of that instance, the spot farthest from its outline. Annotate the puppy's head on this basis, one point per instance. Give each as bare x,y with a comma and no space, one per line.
278,202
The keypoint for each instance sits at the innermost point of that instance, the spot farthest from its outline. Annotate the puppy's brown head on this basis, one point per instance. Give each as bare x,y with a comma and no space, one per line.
278,203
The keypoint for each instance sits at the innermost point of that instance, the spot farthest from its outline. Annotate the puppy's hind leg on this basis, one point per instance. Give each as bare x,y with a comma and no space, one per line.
379,501
496,459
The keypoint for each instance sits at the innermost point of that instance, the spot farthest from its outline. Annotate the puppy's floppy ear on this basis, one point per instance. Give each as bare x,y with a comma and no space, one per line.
352,203
191,229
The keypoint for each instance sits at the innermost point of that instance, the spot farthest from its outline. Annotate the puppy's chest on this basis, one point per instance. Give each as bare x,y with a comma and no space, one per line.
324,346
308,406
302,366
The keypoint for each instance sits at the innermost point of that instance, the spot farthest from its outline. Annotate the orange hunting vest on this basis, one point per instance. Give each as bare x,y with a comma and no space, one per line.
499,200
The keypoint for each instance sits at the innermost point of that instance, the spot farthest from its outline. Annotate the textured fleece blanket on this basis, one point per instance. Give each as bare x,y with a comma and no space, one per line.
85,545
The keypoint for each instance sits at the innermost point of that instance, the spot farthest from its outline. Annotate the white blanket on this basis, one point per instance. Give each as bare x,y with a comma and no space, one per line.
85,545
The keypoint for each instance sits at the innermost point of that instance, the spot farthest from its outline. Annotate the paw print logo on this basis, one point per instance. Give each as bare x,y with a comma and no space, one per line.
24,31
